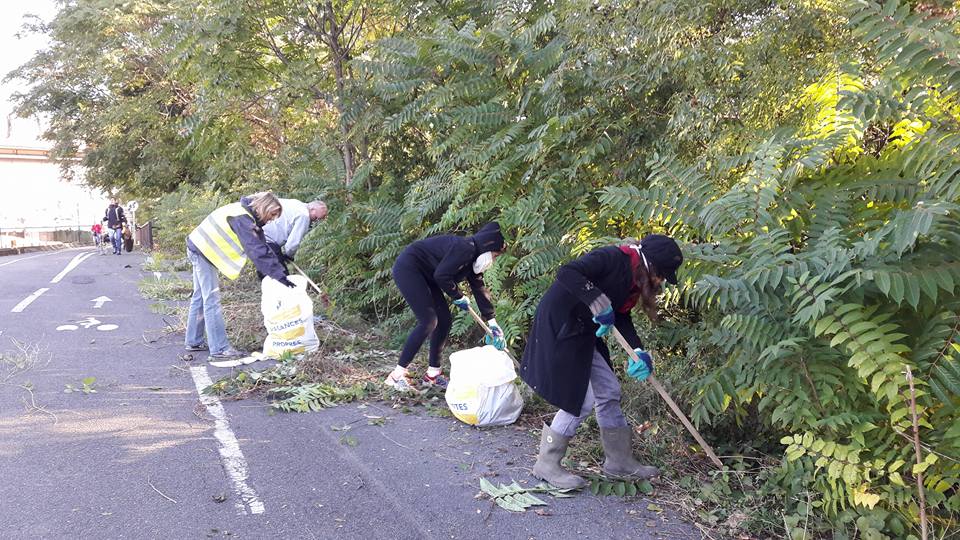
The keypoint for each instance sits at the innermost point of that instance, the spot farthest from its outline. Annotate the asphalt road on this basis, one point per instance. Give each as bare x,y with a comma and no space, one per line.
144,456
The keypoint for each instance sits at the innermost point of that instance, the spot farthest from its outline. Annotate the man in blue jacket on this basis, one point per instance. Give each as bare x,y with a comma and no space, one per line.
115,222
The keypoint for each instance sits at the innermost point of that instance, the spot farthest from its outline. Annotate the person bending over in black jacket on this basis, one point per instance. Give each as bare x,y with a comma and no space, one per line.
567,362
427,269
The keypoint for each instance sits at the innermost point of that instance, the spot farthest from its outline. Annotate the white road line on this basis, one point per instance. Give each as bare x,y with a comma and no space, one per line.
42,255
233,460
70,266
26,301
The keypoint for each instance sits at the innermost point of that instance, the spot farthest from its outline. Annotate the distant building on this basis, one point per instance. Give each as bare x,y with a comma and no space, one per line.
35,201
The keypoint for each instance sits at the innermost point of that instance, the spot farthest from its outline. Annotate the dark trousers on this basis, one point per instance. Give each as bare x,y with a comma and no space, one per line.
430,307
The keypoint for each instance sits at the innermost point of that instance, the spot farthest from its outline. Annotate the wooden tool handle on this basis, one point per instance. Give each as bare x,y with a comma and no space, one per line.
487,330
673,406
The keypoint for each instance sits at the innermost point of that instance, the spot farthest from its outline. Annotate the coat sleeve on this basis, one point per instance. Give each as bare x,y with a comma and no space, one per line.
453,263
624,323
481,294
301,225
255,247
577,278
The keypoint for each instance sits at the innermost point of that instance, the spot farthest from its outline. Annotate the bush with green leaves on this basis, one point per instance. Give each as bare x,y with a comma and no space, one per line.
822,265
805,153
819,243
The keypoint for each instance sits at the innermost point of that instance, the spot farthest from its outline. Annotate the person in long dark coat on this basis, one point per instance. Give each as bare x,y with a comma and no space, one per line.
425,271
567,362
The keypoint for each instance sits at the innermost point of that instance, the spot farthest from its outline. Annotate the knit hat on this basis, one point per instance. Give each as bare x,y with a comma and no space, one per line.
488,238
664,254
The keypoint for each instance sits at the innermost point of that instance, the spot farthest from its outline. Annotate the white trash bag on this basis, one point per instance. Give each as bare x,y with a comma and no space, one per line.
481,390
288,316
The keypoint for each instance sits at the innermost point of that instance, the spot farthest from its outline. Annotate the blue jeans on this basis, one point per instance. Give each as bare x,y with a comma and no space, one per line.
205,313
116,238
603,393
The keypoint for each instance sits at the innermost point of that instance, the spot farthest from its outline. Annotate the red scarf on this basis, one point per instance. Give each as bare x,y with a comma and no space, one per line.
634,296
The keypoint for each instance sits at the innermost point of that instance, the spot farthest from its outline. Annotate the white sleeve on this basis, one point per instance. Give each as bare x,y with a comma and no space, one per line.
301,224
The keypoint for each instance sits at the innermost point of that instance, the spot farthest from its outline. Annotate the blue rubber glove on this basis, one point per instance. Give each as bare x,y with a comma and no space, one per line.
495,337
641,369
463,303
605,319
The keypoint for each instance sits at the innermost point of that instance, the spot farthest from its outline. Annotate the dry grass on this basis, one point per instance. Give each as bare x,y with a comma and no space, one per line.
24,358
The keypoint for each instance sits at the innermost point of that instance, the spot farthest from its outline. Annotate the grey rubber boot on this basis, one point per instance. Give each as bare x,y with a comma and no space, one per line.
553,447
619,462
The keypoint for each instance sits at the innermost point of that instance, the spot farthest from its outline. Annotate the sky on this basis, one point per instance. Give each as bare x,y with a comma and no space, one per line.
14,52
33,194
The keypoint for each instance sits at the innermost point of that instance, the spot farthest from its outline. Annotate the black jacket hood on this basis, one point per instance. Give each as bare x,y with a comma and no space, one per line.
488,238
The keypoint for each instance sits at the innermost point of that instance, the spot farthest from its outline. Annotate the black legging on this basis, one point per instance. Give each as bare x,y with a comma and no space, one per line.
429,305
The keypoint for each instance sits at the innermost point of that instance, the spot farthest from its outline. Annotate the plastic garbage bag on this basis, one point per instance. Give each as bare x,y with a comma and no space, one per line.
481,391
288,316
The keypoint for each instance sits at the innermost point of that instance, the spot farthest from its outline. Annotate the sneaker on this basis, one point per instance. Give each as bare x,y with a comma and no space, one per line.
439,380
194,348
400,384
228,353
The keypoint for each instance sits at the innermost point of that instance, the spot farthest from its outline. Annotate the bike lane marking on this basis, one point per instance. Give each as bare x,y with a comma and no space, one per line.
26,301
70,266
231,455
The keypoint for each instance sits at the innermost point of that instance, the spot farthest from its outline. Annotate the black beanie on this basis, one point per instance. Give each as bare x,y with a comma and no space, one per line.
488,238
664,253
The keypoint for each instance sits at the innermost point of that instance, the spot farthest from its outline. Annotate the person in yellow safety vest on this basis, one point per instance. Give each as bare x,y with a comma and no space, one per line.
224,241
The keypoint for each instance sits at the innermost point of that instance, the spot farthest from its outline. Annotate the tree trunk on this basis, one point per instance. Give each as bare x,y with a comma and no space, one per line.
340,56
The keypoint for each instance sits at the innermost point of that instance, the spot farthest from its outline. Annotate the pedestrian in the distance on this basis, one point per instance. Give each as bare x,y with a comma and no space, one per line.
97,231
425,271
115,221
285,233
567,362
224,241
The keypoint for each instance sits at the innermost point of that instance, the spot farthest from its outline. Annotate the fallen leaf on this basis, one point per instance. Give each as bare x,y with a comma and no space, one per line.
654,508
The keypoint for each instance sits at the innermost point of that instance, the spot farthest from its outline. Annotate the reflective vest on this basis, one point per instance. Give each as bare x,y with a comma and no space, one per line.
217,241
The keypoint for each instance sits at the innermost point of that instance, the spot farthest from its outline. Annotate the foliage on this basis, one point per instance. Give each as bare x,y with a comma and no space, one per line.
620,488
806,153
313,397
86,386
820,266
517,498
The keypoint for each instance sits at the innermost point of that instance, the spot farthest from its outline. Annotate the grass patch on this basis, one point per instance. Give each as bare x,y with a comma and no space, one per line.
165,288
160,261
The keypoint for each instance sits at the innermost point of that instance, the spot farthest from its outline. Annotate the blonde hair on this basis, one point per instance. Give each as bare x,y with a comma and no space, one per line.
265,204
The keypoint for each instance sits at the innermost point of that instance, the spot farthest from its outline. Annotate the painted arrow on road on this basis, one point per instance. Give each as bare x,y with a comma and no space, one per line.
100,301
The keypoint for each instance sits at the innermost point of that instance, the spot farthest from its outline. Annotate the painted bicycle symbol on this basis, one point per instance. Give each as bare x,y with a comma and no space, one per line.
89,322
